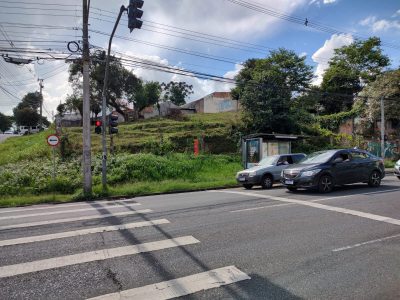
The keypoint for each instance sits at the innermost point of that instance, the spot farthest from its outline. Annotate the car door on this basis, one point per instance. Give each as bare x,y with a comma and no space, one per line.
364,164
283,162
344,171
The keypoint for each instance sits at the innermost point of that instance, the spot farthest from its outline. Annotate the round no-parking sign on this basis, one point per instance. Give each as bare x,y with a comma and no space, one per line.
53,140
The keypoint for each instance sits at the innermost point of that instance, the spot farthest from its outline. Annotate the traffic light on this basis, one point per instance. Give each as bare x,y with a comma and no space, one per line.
134,14
97,128
113,124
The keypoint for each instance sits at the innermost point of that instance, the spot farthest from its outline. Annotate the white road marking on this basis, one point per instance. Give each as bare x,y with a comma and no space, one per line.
259,207
61,235
182,286
63,261
346,196
64,205
125,213
366,243
321,206
66,211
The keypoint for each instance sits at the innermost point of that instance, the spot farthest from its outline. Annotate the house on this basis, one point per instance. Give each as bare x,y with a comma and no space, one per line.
216,102
165,110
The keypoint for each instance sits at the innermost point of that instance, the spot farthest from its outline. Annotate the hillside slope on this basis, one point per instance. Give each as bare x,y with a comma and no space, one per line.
217,130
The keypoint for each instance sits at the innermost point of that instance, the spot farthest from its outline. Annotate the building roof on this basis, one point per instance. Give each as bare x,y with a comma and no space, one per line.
274,136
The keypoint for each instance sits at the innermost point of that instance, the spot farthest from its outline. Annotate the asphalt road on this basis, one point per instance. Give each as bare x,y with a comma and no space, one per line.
226,244
3,137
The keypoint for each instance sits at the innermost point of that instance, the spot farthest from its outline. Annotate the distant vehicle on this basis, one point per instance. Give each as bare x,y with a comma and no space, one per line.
268,170
28,129
324,170
9,132
397,169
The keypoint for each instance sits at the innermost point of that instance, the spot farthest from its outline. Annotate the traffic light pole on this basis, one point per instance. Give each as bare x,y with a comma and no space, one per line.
104,102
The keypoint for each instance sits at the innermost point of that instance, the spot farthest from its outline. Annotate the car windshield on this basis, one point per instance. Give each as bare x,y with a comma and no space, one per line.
269,160
318,157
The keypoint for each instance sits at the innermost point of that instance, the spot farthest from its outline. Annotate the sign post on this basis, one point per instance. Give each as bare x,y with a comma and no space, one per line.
53,141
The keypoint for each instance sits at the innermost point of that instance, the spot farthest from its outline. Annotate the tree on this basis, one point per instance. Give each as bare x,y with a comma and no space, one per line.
176,92
144,95
351,68
267,87
25,113
121,83
74,103
5,122
26,116
386,85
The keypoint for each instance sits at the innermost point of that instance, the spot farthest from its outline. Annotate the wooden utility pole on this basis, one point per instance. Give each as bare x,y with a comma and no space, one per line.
41,102
86,159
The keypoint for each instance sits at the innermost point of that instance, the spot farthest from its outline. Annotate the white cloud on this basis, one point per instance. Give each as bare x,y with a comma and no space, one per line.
379,25
323,54
232,74
319,2
396,14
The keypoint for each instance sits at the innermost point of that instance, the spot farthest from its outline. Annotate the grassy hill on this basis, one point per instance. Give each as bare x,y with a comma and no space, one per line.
140,165
140,136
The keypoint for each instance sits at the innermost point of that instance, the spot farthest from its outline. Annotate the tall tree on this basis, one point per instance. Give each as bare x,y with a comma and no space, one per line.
387,86
351,68
266,89
5,122
26,112
176,92
121,82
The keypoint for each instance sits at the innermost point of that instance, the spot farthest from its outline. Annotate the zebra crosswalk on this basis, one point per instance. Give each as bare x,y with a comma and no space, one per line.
23,231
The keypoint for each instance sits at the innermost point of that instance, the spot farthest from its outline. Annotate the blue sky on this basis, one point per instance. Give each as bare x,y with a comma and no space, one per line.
214,17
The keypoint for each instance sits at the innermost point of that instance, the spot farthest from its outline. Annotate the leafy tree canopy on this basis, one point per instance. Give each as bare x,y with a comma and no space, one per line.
5,122
176,92
351,68
386,85
267,88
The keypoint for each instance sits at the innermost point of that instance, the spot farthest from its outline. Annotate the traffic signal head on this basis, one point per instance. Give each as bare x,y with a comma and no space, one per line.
97,128
113,124
134,14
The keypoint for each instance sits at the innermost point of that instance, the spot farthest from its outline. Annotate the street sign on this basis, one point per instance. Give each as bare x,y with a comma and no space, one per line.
53,140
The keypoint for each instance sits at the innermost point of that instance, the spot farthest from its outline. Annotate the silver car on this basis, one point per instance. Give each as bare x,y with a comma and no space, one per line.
268,170
397,169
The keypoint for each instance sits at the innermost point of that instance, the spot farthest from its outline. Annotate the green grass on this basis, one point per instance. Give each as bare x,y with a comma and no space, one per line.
389,163
29,182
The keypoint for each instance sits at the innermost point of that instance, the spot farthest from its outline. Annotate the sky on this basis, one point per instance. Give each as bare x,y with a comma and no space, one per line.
207,36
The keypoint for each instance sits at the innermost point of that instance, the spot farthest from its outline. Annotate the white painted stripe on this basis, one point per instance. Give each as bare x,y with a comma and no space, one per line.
61,235
321,206
63,205
66,211
63,261
366,243
125,213
260,207
366,194
182,286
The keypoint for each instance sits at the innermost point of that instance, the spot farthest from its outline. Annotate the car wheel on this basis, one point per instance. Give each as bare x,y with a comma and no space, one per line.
374,179
292,189
266,182
247,186
398,177
325,184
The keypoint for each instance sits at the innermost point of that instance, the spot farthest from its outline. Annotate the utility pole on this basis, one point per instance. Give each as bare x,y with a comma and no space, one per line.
41,103
87,159
382,128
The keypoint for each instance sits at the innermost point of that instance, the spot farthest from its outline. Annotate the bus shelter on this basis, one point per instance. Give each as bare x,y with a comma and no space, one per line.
259,145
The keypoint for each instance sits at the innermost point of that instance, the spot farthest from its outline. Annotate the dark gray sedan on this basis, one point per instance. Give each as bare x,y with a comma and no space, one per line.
325,169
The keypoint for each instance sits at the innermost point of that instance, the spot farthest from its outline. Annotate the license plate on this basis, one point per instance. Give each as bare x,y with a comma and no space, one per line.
288,181
242,179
